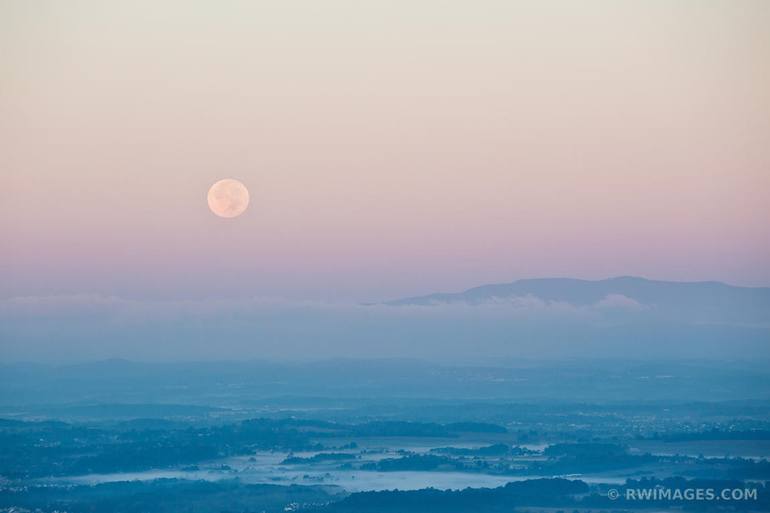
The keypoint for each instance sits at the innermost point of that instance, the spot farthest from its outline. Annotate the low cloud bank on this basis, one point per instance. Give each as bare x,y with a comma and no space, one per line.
81,327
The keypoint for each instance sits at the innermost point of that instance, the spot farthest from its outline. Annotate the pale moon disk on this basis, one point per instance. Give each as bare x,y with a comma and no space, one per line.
228,198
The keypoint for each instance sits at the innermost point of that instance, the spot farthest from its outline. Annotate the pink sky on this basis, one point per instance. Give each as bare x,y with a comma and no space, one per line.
389,149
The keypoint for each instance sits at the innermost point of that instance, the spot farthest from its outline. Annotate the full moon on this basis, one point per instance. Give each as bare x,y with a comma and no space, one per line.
228,198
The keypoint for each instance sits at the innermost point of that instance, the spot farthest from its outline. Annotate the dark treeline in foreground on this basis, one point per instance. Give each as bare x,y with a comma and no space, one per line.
172,496
547,493
162,496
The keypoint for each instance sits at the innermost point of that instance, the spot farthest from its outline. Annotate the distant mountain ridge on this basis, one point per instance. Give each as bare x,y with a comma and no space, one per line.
706,297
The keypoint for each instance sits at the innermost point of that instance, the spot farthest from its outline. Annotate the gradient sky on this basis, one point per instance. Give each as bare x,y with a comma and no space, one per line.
390,148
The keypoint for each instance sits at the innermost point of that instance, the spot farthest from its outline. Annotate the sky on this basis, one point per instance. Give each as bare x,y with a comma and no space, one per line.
389,148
